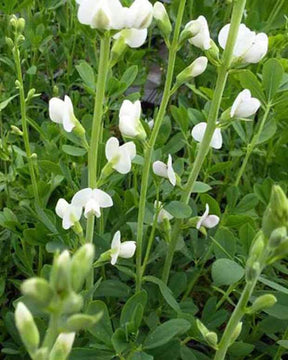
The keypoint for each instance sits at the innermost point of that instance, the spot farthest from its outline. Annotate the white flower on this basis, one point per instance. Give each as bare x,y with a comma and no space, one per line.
92,200
102,14
120,157
198,132
129,119
62,346
134,38
200,33
162,214
206,220
62,112
244,105
159,11
166,171
197,67
249,46
69,213
124,250
140,14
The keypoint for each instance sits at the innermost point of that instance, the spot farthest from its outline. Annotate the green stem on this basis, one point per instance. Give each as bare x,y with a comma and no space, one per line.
52,331
96,132
237,315
237,14
16,54
150,145
251,146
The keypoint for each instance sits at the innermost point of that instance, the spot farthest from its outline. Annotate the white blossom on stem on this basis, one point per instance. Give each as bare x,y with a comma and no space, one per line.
120,157
165,170
129,120
206,220
244,105
198,132
69,213
124,250
200,33
62,112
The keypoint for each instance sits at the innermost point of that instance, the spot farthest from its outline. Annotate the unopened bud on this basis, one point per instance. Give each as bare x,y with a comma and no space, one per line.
72,303
27,327
41,354
60,273
9,42
20,38
257,246
118,50
252,271
276,214
21,24
191,30
82,321
212,339
202,328
55,91
195,69
62,346
262,302
34,156
81,265
13,21
30,94
38,290
15,130
17,84
236,333
162,19
277,237
213,53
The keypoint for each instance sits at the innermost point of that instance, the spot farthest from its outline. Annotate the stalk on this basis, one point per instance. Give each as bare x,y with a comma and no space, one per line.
25,129
96,133
151,143
238,9
252,145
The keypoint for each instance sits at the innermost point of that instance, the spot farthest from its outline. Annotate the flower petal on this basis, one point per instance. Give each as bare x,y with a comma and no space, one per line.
82,197
115,247
111,148
127,249
56,110
130,148
103,199
67,222
135,38
216,141
211,221
92,207
170,171
123,165
198,131
203,217
160,169
61,207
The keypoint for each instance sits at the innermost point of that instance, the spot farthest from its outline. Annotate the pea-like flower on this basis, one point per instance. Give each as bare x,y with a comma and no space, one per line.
124,250
162,214
200,35
244,105
249,47
198,132
62,112
165,170
92,200
134,38
120,157
197,67
206,220
129,120
69,213
140,14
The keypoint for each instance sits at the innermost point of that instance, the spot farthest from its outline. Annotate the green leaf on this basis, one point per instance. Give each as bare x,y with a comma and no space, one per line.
272,77
165,332
227,242
141,356
129,76
283,343
200,187
87,74
90,354
119,341
273,285
178,209
6,102
73,150
248,202
130,306
240,349
113,288
249,81
226,272
165,291
268,132
103,329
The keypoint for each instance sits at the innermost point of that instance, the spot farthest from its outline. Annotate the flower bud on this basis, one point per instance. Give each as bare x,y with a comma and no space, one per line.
15,130
27,327
277,237
41,354
17,84
276,214
257,246
117,50
82,321
213,54
162,19
62,346
236,333
21,24
195,69
81,265
252,271
212,339
262,302
9,42
38,290
202,328
30,94
13,21
60,273
72,303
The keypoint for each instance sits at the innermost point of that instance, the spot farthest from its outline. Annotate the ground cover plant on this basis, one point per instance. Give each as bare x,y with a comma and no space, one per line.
143,179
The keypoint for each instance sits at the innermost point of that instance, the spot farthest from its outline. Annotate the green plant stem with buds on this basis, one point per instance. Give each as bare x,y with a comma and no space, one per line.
52,331
97,125
223,70
150,145
252,145
16,55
